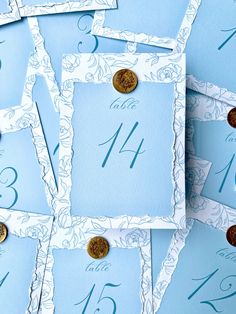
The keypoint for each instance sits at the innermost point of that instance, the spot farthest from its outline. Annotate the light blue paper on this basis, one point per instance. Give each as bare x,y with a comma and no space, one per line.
215,141
78,25
21,185
136,180
204,280
17,261
15,48
4,6
158,18
44,2
211,46
74,280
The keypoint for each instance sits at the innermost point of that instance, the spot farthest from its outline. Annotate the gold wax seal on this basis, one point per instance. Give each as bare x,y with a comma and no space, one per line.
98,247
231,235
3,232
232,118
125,81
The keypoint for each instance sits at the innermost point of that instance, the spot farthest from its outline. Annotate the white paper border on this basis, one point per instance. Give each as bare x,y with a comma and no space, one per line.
77,237
178,44
11,16
51,7
34,226
149,68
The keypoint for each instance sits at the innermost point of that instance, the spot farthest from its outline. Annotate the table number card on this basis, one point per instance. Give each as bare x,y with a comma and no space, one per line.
26,176
23,259
117,141
205,273
211,48
212,138
8,12
89,285
41,7
164,24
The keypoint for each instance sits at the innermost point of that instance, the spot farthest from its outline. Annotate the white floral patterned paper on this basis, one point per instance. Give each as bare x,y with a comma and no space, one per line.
51,7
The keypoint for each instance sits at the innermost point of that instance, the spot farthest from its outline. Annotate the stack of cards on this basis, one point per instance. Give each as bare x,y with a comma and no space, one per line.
117,156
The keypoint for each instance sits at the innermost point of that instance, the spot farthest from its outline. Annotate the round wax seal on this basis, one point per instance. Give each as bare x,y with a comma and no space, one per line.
3,232
98,247
232,118
125,81
231,235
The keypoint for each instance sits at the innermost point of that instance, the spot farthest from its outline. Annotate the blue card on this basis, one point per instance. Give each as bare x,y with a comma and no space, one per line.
212,138
211,46
41,7
204,276
88,285
16,46
23,259
165,24
78,24
120,141
8,11
26,176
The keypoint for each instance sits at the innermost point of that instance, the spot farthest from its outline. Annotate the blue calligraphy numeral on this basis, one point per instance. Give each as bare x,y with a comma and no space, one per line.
101,298
211,302
123,150
9,183
87,31
207,278
233,30
3,279
227,170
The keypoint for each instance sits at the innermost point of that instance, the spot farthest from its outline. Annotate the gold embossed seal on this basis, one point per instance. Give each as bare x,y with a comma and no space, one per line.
231,235
125,81
3,232
232,118
98,247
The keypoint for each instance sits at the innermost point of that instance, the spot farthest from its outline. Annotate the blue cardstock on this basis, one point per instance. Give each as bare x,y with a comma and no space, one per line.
17,262
204,279
4,7
211,45
21,186
120,160
89,286
78,25
16,45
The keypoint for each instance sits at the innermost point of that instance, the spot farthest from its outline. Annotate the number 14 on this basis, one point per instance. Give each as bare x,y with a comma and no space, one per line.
113,140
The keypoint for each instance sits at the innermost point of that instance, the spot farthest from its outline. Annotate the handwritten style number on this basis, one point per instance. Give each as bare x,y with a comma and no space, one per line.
101,298
87,31
9,184
226,170
113,140
212,302
3,279
233,30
